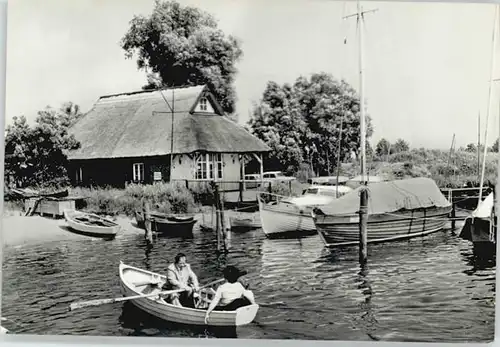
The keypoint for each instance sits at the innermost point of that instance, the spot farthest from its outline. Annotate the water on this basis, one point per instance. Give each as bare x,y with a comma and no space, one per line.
427,289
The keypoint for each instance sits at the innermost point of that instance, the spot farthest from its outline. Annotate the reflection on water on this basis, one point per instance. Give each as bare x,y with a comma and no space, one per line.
426,289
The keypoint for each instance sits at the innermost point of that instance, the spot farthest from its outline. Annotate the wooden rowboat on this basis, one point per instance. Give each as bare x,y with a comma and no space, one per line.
91,224
139,217
177,226
158,307
3,330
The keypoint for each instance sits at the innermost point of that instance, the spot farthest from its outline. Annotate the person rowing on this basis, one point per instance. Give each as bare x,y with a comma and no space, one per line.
231,295
180,276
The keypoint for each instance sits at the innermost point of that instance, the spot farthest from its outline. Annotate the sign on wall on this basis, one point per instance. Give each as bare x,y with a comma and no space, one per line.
157,176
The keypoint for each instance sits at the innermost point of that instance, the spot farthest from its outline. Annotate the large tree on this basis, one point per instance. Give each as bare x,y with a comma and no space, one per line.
181,45
278,121
383,147
311,120
36,156
401,146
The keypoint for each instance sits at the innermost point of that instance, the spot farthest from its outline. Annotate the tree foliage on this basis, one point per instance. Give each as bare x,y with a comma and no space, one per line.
401,146
494,147
181,45
36,156
383,147
302,122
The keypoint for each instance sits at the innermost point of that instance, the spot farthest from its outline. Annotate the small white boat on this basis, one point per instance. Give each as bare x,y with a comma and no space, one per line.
245,221
91,224
400,209
158,307
293,214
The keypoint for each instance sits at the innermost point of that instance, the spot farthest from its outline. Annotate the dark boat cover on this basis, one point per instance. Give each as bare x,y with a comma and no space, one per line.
391,196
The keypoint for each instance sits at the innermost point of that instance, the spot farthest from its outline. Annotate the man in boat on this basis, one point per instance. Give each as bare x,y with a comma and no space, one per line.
230,295
180,276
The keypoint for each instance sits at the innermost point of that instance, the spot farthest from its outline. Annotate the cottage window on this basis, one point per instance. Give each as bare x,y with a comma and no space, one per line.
201,168
138,172
218,163
209,166
203,104
79,175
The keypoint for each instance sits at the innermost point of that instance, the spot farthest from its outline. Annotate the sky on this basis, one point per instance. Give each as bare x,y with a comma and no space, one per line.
426,65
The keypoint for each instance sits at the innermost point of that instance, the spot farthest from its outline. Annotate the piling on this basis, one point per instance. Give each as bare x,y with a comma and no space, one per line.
453,215
363,226
221,220
148,232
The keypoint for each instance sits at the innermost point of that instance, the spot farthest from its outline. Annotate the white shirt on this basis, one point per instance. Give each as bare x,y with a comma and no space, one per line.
229,292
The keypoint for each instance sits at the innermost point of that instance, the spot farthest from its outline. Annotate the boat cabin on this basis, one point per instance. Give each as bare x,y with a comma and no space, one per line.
327,190
328,180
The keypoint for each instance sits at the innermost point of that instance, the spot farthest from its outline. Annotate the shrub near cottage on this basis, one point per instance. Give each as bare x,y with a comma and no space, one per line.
163,197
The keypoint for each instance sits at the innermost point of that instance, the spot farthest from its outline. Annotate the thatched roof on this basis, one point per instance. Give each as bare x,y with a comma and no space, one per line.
126,125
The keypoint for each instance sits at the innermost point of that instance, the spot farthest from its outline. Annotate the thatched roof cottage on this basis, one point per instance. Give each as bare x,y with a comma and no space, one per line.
128,138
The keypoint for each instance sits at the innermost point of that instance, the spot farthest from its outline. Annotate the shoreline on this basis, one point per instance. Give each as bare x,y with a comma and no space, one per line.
18,229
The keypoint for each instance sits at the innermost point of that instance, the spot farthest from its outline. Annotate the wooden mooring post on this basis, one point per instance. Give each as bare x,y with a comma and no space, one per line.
221,223
453,211
453,215
148,231
363,226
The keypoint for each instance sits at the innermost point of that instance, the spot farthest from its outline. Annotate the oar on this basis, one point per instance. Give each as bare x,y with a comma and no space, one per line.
212,283
98,302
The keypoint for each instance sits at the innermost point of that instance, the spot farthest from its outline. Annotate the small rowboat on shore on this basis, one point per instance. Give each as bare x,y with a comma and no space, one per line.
3,330
91,224
158,307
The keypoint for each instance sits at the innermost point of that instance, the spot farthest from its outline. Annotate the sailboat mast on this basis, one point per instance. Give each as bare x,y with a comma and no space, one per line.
361,96
492,68
479,145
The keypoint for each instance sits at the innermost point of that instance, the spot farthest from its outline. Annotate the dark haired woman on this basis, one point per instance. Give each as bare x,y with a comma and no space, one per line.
230,295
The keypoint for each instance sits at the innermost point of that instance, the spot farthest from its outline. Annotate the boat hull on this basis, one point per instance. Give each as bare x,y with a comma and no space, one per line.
109,231
283,219
478,230
336,231
173,227
178,314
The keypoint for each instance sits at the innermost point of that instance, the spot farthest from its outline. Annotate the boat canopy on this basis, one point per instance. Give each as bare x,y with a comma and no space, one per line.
391,196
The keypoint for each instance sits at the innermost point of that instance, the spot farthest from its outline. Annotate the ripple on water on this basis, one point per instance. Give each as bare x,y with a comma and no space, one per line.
429,289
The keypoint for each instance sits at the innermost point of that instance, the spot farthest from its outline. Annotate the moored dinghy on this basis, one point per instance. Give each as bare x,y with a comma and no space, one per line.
130,276
91,224
173,225
397,210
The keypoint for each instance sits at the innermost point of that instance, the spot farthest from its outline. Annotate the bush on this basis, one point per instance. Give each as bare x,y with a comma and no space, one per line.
203,193
163,197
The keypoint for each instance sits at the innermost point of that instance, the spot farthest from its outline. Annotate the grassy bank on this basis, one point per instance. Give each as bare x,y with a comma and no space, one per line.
446,171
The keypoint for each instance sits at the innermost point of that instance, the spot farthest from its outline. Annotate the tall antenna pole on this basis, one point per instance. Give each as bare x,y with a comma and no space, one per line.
492,68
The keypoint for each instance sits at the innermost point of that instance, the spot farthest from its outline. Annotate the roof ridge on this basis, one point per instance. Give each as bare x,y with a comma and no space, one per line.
150,91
